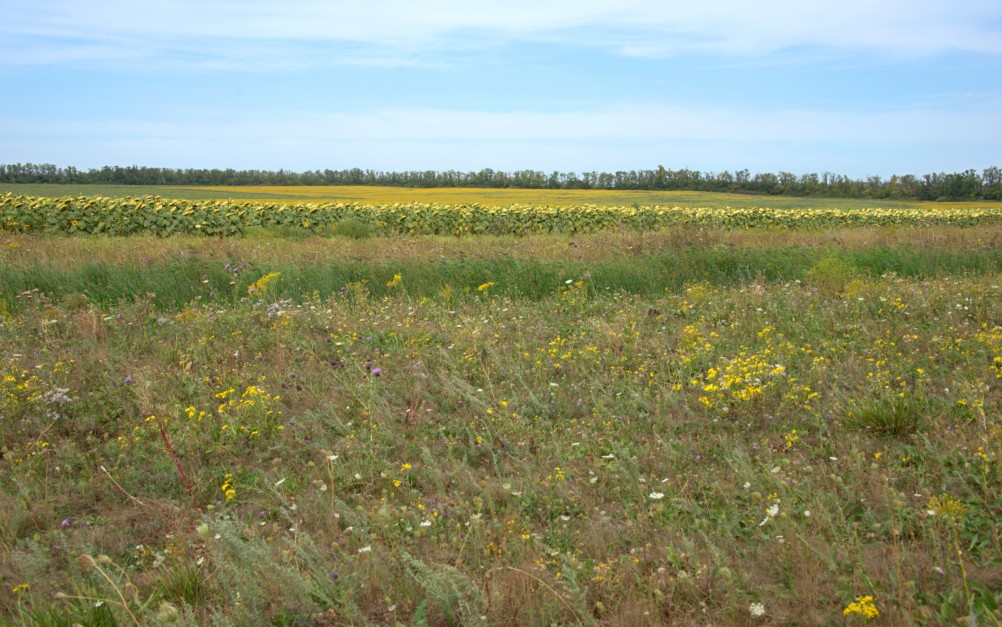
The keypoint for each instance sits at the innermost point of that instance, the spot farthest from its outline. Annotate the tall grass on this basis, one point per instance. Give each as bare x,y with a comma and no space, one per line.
691,432
180,280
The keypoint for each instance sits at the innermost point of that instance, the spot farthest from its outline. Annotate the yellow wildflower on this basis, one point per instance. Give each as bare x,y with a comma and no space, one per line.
261,286
863,605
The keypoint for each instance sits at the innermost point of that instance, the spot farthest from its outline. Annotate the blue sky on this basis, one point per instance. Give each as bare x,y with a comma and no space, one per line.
857,87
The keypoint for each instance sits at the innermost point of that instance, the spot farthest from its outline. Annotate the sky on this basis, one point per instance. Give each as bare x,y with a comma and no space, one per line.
856,87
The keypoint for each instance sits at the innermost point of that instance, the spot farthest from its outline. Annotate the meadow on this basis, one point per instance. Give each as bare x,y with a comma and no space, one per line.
694,424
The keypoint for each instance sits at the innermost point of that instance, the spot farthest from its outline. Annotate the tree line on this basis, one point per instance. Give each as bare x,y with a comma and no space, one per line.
966,185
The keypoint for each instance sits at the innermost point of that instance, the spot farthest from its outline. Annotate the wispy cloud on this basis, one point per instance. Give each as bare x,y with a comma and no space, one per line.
230,32
548,84
612,123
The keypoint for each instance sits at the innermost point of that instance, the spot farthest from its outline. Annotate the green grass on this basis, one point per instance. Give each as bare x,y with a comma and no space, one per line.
697,422
175,282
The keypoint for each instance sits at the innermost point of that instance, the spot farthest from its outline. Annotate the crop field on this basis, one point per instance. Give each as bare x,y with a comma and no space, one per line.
376,195
600,415
95,215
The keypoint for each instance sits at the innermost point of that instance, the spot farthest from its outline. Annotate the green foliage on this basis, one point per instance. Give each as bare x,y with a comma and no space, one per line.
182,582
162,217
833,273
891,414
353,228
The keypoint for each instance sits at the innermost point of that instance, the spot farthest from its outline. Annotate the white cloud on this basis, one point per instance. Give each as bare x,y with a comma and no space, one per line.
626,123
302,32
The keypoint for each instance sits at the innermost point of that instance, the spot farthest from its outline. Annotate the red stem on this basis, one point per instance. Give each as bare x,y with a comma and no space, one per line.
177,462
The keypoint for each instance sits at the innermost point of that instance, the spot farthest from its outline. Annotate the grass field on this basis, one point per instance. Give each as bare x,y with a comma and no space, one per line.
687,426
494,197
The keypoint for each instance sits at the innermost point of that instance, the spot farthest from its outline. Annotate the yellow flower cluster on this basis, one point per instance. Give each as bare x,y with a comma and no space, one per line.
227,487
863,606
946,506
260,287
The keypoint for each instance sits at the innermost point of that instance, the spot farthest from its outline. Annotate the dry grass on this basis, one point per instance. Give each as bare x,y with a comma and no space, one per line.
591,457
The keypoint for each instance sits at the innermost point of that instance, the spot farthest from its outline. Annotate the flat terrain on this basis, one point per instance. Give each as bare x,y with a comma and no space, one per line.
682,426
384,195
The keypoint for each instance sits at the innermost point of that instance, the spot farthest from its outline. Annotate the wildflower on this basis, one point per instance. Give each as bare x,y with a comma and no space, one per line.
791,438
770,513
486,286
756,609
20,588
656,496
261,286
227,487
946,506
395,281
365,549
863,605
377,371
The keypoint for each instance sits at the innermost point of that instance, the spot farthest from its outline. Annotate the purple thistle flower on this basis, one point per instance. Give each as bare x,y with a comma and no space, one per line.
377,371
